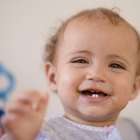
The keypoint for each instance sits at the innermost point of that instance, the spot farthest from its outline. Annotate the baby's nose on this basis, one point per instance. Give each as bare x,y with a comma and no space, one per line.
97,74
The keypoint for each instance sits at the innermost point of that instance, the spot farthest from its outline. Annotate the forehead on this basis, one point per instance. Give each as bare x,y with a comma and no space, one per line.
98,28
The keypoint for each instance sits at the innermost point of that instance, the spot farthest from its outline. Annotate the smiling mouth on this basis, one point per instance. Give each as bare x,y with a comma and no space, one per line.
93,93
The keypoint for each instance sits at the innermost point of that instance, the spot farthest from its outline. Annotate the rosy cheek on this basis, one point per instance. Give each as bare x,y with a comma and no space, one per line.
124,88
64,78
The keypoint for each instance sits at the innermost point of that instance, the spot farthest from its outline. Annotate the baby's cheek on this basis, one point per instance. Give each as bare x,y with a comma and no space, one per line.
65,79
124,89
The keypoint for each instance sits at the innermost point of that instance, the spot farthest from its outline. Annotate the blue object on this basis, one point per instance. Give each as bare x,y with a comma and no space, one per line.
4,92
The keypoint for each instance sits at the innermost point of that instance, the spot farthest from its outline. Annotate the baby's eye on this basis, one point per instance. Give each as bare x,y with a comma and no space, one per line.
82,61
116,66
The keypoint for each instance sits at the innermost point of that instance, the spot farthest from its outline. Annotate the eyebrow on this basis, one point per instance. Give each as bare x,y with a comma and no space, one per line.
81,51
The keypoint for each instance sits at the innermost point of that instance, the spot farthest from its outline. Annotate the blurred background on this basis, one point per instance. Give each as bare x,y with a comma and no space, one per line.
24,28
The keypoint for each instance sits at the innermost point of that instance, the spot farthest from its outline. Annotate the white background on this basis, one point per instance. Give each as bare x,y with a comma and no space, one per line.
24,28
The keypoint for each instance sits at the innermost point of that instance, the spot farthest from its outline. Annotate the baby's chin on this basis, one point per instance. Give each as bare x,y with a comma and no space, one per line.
94,117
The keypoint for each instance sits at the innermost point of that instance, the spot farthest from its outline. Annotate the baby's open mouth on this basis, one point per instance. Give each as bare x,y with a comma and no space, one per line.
93,93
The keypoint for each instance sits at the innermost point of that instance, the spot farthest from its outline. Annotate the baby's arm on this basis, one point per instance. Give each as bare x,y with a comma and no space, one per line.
24,115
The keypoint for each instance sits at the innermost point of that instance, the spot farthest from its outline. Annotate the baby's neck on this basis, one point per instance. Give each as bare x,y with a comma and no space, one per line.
89,122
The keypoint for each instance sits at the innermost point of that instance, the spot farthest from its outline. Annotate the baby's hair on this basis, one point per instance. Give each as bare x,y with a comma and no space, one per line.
87,15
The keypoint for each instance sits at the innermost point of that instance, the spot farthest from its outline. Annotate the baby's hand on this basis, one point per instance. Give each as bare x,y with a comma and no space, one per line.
24,115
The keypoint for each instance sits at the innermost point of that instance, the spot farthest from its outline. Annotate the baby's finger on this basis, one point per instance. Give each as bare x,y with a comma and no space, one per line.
41,107
23,102
18,99
19,107
24,95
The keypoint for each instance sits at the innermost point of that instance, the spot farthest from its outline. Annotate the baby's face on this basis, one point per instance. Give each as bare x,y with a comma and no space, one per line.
96,71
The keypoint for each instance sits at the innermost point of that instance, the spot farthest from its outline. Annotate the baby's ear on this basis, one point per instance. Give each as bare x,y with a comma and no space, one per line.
50,71
136,87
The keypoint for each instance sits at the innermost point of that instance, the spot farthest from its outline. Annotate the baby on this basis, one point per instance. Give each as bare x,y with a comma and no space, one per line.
93,64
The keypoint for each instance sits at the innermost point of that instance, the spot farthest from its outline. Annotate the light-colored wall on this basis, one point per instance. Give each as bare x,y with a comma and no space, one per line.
24,27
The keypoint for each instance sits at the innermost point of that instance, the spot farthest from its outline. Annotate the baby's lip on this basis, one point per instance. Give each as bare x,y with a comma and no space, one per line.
93,91
96,88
